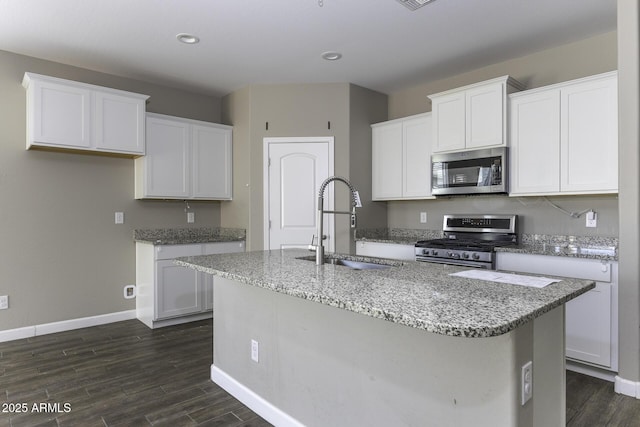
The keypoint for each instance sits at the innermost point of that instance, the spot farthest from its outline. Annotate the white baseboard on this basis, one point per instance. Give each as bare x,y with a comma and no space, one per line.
65,325
627,387
252,400
592,371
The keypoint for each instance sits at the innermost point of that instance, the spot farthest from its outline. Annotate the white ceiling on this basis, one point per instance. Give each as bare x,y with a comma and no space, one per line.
385,46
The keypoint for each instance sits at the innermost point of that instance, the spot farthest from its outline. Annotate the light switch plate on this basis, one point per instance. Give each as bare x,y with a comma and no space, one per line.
119,217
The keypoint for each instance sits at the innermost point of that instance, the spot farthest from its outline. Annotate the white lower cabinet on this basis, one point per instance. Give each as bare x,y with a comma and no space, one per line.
168,294
386,250
591,318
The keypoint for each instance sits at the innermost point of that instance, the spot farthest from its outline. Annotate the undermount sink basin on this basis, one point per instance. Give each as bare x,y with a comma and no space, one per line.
359,265
354,265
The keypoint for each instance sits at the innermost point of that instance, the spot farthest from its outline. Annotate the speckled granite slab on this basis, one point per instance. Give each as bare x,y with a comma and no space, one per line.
405,236
416,294
591,247
183,236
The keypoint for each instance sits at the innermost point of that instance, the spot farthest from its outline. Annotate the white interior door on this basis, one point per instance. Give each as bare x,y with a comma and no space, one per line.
294,170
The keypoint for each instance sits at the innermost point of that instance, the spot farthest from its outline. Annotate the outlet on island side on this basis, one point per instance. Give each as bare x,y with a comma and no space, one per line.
255,351
4,302
526,382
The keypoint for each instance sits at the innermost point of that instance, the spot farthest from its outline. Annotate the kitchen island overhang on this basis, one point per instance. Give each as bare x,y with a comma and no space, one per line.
384,346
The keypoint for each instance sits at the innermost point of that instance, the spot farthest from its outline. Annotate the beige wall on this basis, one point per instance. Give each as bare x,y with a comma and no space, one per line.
366,107
295,110
571,61
587,57
617,215
61,255
629,139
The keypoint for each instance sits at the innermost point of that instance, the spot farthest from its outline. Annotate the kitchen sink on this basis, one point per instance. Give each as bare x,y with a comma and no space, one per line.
354,264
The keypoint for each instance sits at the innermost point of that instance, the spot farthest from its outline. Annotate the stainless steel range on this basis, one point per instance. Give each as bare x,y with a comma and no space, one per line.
469,240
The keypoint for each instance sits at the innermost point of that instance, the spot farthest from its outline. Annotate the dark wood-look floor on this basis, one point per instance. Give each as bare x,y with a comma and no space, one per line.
591,402
121,374
124,374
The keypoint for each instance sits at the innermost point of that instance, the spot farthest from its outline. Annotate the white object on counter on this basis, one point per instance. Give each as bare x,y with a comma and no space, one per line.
512,279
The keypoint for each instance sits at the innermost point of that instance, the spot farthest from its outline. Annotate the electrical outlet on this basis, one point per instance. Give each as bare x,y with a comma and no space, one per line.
423,217
119,217
526,381
4,302
592,219
191,217
130,291
255,351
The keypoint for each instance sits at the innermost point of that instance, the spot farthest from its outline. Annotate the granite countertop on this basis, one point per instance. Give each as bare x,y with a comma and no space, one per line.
401,236
589,247
185,236
415,294
599,253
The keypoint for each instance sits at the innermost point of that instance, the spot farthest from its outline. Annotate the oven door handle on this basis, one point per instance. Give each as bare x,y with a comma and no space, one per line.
461,263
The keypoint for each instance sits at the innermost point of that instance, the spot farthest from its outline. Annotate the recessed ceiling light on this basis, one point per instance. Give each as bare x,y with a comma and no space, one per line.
187,38
331,56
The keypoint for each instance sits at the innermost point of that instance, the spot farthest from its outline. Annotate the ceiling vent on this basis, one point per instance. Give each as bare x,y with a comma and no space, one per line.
414,4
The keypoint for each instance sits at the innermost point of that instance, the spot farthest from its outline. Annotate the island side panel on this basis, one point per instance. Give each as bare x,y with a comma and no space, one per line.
549,369
327,366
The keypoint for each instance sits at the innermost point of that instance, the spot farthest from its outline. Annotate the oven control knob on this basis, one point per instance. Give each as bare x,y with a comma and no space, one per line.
465,255
425,252
454,255
475,256
434,252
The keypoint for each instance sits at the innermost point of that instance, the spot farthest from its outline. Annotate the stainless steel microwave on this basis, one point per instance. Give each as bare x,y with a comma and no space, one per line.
470,172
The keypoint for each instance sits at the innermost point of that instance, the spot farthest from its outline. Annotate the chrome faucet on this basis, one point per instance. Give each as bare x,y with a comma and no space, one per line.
355,203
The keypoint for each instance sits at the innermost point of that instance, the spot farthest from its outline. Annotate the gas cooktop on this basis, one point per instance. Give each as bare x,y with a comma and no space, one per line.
469,240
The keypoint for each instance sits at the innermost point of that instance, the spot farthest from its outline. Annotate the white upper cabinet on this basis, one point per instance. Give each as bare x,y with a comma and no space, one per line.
449,122
386,155
401,158
63,114
211,149
564,138
186,159
165,170
589,135
535,143
120,123
473,116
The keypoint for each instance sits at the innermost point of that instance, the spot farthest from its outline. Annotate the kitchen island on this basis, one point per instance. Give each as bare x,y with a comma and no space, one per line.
408,345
